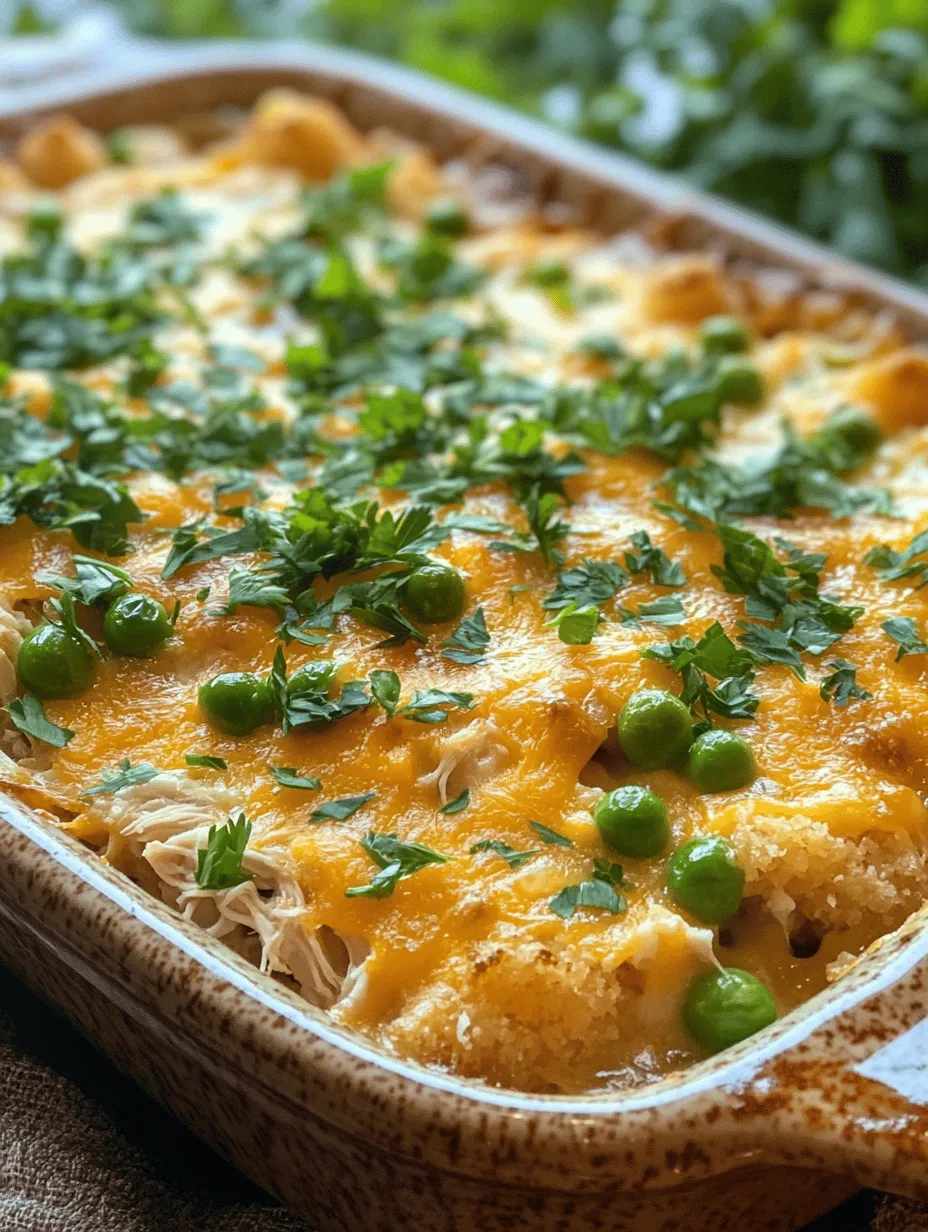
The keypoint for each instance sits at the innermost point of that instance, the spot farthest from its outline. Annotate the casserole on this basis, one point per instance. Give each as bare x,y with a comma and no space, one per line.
599,1136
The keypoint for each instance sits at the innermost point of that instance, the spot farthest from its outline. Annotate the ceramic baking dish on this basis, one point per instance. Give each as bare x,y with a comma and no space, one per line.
766,1136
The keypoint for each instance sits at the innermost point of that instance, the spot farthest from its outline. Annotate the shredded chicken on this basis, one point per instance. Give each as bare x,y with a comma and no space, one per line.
167,821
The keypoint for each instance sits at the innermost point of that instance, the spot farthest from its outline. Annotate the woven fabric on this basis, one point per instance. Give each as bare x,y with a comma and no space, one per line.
82,1148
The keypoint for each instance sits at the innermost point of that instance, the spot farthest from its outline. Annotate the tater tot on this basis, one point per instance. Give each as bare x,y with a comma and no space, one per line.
59,151
307,134
414,183
686,290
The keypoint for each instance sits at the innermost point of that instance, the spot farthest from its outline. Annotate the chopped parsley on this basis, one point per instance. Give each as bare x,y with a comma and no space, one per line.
801,474
589,584
840,685
576,626
95,583
458,804
547,835
515,859
308,704
646,558
126,776
667,610
904,631
714,657
469,641
289,776
911,562
62,310
339,810
395,860
599,891
425,705
545,529
219,864
205,761
784,593
28,714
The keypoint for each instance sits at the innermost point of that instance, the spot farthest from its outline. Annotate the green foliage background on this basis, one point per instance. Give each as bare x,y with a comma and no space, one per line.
811,111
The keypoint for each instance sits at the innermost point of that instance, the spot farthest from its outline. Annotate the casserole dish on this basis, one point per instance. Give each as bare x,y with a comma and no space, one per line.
351,1137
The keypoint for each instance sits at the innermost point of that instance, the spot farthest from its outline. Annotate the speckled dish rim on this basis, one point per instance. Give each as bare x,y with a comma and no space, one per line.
837,1084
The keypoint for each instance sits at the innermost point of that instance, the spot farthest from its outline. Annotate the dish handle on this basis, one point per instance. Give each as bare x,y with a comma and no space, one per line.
845,1087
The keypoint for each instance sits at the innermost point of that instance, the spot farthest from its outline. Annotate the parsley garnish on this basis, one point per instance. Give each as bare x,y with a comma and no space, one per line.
425,705
458,804
469,641
715,655
340,810
289,776
904,631
205,761
801,474
311,704
126,776
61,309
188,549
576,626
892,565
515,859
545,529
251,589
28,714
600,891
646,558
783,593
841,685
547,835
667,610
591,583
219,864
95,583
396,860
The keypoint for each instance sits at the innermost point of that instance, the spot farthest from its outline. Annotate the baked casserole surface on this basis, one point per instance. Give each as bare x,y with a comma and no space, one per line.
510,637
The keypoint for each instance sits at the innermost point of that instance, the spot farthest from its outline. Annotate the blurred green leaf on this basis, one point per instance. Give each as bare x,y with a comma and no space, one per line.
857,22
29,21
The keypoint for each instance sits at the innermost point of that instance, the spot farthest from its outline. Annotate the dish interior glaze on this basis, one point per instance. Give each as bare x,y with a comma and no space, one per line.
571,590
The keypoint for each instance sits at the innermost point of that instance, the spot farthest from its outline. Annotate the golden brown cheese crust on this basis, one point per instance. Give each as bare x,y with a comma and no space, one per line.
465,965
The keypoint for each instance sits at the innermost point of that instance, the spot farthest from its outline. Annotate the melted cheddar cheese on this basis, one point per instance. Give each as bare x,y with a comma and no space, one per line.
464,965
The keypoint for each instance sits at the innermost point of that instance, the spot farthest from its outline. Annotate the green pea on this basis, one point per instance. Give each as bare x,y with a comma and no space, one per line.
724,1007
136,625
237,702
720,761
704,879
602,346
737,380
434,593
655,729
430,258
724,336
549,272
311,678
447,217
52,663
852,427
633,822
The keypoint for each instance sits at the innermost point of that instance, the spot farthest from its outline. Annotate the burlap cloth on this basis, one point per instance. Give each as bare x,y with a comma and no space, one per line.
83,1150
